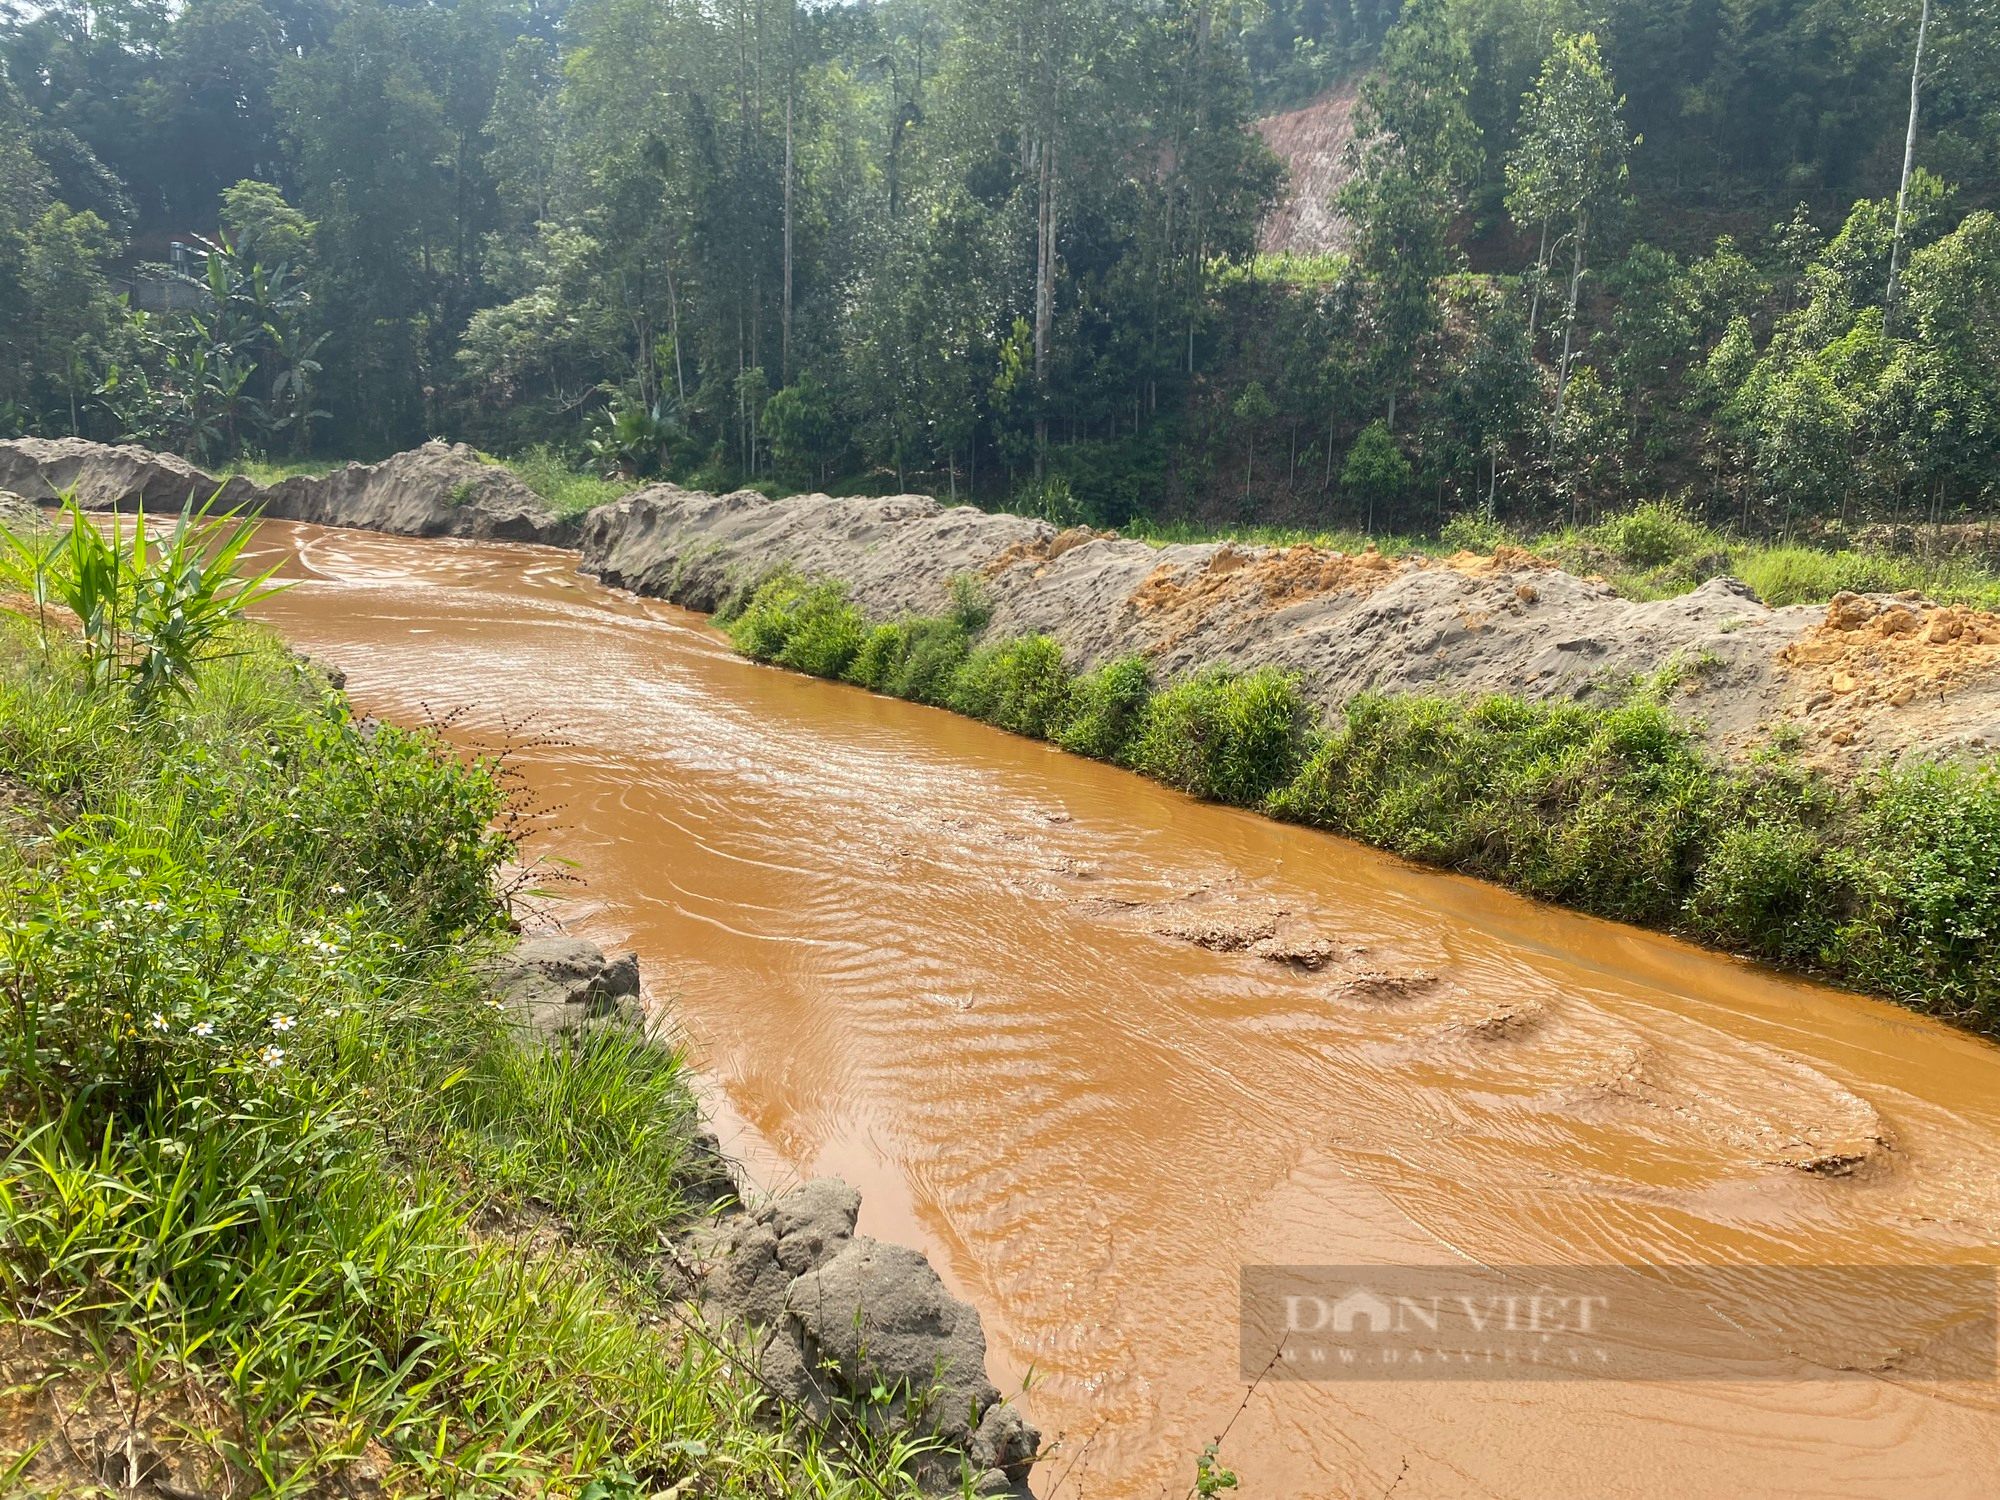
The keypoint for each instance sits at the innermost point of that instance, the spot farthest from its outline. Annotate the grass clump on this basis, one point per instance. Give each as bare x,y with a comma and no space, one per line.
1224,735
1020,685
793,622
279,1186
1105,708
569,488
1598,808
1892,884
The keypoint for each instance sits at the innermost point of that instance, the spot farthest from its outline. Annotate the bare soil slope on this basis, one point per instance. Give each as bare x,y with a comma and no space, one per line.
1312,142
1859,680
1862,679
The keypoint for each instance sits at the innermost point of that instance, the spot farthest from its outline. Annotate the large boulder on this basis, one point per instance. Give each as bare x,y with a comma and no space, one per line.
831,1318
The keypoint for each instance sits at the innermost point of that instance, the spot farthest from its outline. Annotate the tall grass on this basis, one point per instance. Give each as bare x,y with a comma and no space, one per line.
265,1146
1891,883
558,478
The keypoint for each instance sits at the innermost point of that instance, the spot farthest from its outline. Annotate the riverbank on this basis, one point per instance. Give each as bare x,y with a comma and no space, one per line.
307,1185
1808,785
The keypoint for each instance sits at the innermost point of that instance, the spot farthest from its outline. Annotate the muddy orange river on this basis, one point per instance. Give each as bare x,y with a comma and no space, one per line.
967,973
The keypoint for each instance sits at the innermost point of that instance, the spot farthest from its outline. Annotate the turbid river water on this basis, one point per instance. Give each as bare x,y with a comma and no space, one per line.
941,962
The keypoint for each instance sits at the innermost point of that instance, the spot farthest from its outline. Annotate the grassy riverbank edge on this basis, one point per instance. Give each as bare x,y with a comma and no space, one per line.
1889,883
287,1205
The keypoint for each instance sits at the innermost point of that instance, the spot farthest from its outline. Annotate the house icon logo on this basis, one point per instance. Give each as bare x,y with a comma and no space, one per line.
1365,1307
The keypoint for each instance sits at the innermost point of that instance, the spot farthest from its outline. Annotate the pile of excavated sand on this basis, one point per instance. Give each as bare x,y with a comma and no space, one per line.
1343,622
1865,679
440,489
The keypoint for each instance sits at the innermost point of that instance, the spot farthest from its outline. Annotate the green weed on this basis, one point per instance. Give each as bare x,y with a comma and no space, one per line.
1224,735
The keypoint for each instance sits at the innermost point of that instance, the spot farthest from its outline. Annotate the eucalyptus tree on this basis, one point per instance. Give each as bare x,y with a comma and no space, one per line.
1415,149
1569,165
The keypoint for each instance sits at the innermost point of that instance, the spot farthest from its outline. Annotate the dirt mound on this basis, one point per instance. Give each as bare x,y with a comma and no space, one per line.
1178,600
1884,670
1509,622
1794,1116
439,489
1043,549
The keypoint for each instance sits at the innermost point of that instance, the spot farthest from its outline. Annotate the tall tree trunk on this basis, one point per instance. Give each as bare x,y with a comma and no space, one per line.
791,28
1909,156
1541,275
1569,324
1045,300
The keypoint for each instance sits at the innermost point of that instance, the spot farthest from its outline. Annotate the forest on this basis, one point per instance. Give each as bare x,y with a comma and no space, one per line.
1741,255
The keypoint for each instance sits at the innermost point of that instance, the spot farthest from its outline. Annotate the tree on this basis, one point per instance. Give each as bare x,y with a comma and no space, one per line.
1568,165
1415,148
1376,472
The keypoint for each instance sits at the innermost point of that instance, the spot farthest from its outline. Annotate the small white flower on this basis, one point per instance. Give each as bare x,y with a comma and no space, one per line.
333,1010
493,1005
159,1022
203,1028
336,890
156,906
107,925
271,1056
282,1024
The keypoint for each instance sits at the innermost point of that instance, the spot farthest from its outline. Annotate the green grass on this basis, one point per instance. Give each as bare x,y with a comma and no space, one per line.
278,1184
269,471
569,489
1656,550
1167,533
1652,551
1890,883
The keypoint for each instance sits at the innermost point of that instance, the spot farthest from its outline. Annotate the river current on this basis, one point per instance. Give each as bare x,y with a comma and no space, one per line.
1040,1011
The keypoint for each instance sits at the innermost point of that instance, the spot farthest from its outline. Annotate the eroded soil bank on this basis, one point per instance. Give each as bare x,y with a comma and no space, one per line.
1094,1047
1876,678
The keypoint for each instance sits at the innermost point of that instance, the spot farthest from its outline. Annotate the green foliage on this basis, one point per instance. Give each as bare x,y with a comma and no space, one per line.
1893,885
1375,471
569,489
1224,735
1599,809
1105,708
795,623
265,1144
1021,685
151,614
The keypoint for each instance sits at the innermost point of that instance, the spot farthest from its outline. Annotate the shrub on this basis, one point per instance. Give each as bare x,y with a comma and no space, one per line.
1223,735
1601,808
1655,533
1021,686
1105,708
1929,839
809,627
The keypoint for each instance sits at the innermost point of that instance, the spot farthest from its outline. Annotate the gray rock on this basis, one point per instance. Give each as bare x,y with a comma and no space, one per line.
830,1317
814,1223
557,986
880,1318
19,513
